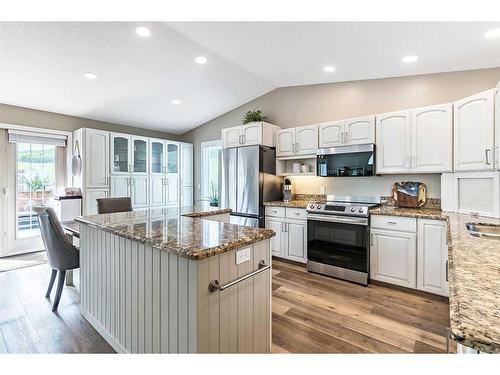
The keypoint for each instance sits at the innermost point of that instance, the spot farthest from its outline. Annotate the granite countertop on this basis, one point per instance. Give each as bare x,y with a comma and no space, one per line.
183,230
474,277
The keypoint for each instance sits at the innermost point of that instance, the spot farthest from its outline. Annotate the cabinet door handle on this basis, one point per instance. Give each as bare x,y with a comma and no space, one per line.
447,270
487,156
244,138
287,225
282,229
342,137
371,239
347,137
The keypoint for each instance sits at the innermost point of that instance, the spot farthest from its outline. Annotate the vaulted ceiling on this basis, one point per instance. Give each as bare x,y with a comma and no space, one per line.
42,64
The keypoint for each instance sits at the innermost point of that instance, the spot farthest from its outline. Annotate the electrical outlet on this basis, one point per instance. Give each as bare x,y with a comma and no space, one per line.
243,255
322,190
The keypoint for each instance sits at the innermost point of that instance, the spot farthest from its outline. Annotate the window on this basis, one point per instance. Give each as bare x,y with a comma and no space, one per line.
210,154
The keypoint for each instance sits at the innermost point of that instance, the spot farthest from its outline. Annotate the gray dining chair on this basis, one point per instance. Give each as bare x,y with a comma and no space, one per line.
61,253
113,205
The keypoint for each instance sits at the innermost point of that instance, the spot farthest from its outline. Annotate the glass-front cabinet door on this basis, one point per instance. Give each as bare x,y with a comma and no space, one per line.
120,150
140,155
172,158
157,156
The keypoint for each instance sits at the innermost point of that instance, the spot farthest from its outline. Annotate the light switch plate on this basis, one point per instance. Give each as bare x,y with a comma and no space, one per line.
243,255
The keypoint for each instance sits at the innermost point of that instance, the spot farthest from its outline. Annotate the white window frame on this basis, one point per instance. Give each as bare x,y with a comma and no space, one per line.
204,166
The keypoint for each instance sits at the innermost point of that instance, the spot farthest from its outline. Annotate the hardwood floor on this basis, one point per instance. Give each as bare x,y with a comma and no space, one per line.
311,314
319,314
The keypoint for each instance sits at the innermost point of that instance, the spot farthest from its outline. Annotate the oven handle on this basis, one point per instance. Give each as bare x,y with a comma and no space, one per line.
337,219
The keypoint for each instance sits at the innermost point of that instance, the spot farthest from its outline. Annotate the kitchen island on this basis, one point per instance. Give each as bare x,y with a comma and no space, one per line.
176,280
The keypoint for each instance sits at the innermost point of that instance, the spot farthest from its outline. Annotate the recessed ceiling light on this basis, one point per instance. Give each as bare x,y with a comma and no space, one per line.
90,75
410,59
143,31
201,59
495,33
329,68
176,101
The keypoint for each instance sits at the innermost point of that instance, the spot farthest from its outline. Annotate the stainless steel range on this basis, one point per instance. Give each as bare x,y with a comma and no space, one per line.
338,237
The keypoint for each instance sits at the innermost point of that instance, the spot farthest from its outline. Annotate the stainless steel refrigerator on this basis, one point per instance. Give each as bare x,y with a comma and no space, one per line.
247,179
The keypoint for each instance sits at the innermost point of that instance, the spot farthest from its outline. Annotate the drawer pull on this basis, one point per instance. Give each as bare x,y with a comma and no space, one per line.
391,222
297,213
214,284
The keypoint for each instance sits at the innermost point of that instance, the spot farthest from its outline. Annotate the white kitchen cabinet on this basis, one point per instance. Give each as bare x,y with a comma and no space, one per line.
473,122
285,142
296,238
253,133
393,257
306,140
140,155
393,142
120,186
90,197
157,191
139,187
231,137
359,130
172,158
96,159
290,241
302,140
431,139
186,164
331,134
172,190
278,241
121,161
157,157
186,193
432,257
353,131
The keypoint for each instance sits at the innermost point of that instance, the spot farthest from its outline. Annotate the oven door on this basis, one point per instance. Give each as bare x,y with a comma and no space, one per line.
340,242
346,161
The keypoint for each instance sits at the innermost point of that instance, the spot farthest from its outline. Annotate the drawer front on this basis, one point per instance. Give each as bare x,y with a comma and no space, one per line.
405,224
275,211
296,213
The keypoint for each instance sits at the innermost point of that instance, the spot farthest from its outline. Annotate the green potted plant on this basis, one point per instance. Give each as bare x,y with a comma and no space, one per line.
253,116
214,195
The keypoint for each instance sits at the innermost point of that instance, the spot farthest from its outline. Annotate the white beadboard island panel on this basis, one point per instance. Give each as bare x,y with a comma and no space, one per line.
146,300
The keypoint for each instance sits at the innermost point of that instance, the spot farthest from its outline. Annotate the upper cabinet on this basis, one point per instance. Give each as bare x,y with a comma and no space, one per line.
157,156
393,142
432,134
172,163
96,155
253,133
415,141
347,132
298,141
186,171
129,153
474,132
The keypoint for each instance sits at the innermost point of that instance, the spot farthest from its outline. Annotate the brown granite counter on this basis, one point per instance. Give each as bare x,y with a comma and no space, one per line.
182,230
474,277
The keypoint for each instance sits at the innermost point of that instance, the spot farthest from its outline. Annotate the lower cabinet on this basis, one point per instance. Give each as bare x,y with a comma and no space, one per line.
136,187
186,195
290,241
413,256
432,257
393,257
163,191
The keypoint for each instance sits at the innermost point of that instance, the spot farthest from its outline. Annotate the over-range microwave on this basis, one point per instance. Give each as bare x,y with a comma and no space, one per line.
346,161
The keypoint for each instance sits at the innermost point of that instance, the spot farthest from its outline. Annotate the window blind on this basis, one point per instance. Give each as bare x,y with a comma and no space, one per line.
22,136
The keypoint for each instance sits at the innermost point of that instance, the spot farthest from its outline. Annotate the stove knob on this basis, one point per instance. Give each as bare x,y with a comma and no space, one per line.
361,209
318,206
353,209
311,206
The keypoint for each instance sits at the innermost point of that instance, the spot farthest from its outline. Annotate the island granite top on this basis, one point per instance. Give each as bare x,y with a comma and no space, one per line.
186,231
474,277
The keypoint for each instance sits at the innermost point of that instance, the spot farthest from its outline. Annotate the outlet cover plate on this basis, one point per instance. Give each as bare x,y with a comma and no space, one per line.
243,255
